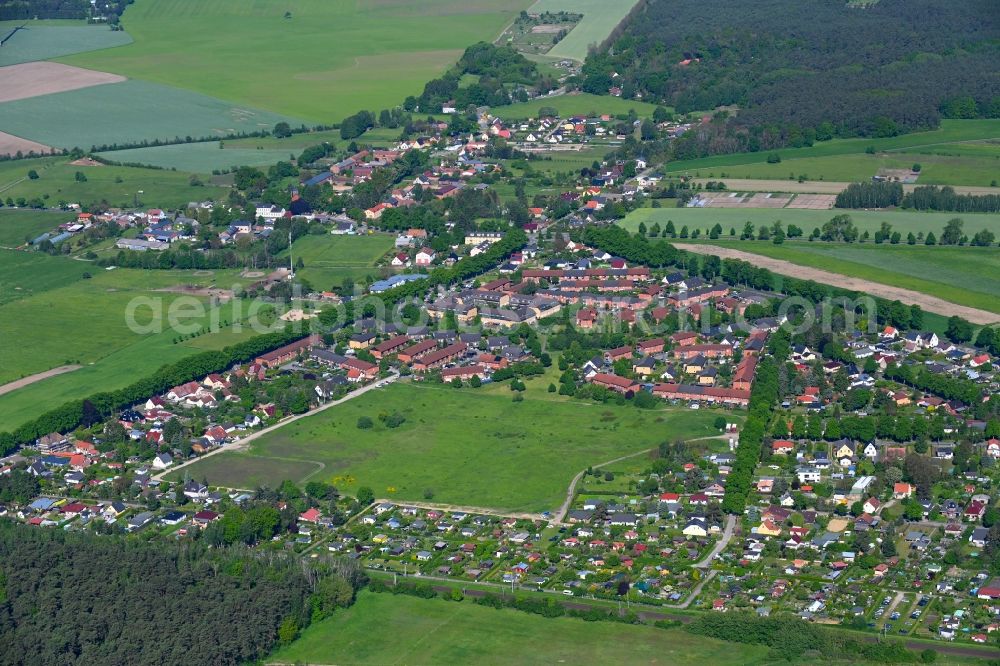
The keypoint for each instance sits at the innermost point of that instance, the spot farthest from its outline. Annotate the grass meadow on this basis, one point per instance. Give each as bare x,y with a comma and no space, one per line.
17,225
944,153
396,629
464,446
129,112
24,274
44,40
583,104
67,319
599,19
964,275
329,259
903,221
569,160
324,61
119,186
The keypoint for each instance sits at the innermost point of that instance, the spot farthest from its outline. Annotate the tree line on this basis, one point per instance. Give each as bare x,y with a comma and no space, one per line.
925,197
98,406
73,597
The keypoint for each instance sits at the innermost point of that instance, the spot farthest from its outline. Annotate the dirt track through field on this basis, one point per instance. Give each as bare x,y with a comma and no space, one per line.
24,381
32,79
930,303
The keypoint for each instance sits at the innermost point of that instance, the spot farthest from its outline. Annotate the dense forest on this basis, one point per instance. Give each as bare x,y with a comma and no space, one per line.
804,72
77,598
16,10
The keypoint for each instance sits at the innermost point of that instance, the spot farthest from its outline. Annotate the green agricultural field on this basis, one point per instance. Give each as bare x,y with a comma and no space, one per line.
902,221
329,259
583,104
964,275
16,226
322,62
395,629
202,157
128,112
467,447
119,186
599,19
24,274
793,159
43,40
208,156
937,169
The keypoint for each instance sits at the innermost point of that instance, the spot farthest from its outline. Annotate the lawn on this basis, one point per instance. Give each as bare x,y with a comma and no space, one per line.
465,446
583,104
903,221
964,275
599,18
320,61
118,186
396,629
43,40
16,226
129,112
329,259
950,132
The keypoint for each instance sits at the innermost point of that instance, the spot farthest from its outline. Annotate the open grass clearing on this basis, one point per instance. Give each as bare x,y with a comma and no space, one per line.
42,40
903,221
395,629
118,366
325,61
17,225
555,161
936,169
66,319
129,112
599,19
964,275
203,157
118,186
581,104
329,259
23,274
464,446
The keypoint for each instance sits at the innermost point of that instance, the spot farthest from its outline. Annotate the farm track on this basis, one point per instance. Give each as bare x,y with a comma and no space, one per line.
925,301
9,387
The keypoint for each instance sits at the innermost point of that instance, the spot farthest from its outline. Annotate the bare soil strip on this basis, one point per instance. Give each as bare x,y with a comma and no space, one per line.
10,144
32,79
925,301
24,381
